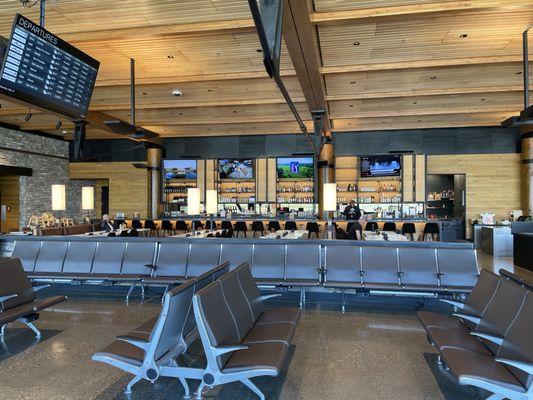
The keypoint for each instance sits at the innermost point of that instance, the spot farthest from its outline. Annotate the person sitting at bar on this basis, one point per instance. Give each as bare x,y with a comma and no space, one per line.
356,230
352,212
106,225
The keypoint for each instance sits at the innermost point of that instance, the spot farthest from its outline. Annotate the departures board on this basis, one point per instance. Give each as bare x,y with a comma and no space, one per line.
41,69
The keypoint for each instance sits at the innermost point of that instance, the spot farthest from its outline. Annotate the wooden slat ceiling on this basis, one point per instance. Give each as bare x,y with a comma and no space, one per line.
386,64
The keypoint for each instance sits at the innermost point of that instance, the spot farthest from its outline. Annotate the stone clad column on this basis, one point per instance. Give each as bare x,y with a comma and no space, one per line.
527,171
153,156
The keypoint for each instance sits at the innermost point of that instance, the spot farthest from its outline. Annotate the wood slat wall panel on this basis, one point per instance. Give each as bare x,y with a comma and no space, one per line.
492,181
9,192
128,186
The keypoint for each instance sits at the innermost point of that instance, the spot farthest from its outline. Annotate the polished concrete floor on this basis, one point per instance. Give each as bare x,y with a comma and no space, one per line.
376,350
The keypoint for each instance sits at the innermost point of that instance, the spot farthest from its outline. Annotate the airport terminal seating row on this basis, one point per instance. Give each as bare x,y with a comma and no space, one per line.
418,267
487,342
17,297
241,339
70,230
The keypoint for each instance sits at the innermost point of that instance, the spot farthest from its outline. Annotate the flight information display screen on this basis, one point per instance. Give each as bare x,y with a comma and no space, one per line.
42,70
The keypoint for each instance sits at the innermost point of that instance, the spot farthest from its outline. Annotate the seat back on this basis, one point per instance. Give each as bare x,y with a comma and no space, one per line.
457,267
502,310
137,256
290,226
136,224
226,225
389,226
13,280
181,226
343,264
79,258
250,290
274,225
166,225
408,227
380,265
258,226
418,266
51,257
241,226
168,331
172,259
371,226
269,261
215,320
482,294
108,258
236,254
202,257
517,343
237,303
303,262
26,251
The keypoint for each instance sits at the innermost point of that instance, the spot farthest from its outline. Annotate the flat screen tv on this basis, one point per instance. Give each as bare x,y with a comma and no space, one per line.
381,166
236,169
299,167
179,169
42,70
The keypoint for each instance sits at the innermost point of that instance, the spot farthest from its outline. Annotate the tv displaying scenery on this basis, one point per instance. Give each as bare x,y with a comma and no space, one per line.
380,166
179,169
235,169
302,167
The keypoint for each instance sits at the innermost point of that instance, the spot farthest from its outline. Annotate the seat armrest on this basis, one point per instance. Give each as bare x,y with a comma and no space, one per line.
141,344
9,296
136,336
268,296
37,288
457,304
218,351
491,338
470,318
524,366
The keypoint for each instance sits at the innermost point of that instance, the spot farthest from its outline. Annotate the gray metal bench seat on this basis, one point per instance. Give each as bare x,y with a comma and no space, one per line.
171,265
17,297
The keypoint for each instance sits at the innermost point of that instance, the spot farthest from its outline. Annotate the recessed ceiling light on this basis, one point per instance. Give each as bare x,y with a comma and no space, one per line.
144,93
433,77
210,90
353,82
356,43
170,56
464,35
519,73
351,105
415,102
419,120
234,111
259,50
65,132
483,99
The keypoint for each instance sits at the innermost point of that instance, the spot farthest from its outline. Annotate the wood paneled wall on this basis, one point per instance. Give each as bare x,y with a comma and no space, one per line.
9,191
128,186
492,181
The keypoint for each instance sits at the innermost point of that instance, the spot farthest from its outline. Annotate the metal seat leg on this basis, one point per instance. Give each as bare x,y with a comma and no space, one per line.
132,382
200,390
3,330
185,385
34,329
129,292
343,308
250,385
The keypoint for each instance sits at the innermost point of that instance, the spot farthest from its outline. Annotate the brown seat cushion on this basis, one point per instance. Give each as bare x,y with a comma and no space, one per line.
464,363
268,356
16,312
41,304
461,339
275,315
282,332
429,319
123,351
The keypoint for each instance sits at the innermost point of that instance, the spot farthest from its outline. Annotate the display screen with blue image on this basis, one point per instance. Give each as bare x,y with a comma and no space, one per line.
295,167
179,169
381,166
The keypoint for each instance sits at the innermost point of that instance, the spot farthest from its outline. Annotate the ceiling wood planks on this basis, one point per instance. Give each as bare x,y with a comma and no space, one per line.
373,64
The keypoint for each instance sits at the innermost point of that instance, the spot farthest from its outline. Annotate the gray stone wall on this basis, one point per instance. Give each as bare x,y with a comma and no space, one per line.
48,158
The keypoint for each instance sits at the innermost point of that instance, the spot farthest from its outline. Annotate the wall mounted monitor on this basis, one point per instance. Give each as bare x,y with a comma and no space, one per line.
295,167
41,69
180,169
236,169
381,166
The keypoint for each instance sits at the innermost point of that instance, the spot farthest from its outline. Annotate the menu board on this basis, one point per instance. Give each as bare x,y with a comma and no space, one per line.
42,70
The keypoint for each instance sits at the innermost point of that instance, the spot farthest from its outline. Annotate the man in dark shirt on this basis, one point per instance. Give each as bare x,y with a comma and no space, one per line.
352,212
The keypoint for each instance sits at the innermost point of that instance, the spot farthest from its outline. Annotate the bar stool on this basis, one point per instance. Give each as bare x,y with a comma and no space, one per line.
149,224
210,225
371,226
273,225
117,223
166,226
226,225
181,226
229,233
408,228
136,224
258,227
432,229
389,227
240,226
198,225
290,226
312,228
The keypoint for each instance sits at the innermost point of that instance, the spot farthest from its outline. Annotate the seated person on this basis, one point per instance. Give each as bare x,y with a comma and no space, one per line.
356,230
106,225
